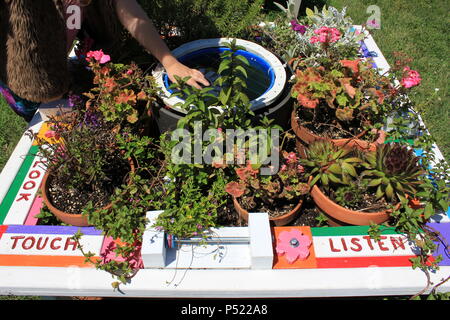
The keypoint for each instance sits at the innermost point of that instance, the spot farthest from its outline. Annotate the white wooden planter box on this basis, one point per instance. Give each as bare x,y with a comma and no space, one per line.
40,260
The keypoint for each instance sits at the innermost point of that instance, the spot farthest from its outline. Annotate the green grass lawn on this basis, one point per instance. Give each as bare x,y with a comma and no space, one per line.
419,28
11,129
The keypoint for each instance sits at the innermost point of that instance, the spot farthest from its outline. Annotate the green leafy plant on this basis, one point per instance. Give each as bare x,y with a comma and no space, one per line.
181,21
83,159
196,191
122,93
394,170
428,194
290,38
193,195
230,108
326,163
125,220
255,191
343,98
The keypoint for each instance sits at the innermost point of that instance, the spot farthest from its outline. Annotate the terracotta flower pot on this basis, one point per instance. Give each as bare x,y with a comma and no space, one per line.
340,216
306,136
77,220
277,221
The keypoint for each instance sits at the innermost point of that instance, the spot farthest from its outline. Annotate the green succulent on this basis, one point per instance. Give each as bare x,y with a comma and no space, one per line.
394,170
350,195
330,163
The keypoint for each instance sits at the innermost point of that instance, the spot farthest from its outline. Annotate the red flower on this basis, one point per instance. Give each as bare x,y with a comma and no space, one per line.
290,157
127,96
247,172
411,78
110,84
235,189
219,165
351,64
307,102
98,56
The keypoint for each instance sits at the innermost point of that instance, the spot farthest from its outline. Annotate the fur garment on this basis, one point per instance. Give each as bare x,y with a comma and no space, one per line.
33,57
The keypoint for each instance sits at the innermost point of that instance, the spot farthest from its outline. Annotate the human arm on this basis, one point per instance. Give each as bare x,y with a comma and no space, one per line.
136,21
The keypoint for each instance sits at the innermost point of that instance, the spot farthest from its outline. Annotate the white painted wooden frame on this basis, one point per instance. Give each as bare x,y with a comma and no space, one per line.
220,283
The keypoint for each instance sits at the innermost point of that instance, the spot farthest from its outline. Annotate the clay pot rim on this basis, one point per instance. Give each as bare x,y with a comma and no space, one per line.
57,212
346,215
50,205
291,212
300,131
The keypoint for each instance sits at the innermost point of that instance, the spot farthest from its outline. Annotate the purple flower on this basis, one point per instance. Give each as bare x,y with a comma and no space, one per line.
74,100
298,27
91,119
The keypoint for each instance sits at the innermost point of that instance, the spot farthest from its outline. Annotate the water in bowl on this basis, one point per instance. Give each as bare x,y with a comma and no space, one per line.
260,76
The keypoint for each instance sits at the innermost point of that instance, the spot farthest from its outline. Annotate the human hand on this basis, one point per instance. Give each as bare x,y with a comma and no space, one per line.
182,71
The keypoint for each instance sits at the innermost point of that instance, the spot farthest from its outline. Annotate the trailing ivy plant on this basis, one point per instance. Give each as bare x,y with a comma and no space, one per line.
125,221
230,108
432,196
196,191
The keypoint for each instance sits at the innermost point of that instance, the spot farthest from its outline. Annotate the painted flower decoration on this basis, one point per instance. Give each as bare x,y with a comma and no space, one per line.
411,78
98,56
294,245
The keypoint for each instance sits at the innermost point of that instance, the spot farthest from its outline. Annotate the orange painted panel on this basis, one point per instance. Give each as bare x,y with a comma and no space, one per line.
43,261
280,261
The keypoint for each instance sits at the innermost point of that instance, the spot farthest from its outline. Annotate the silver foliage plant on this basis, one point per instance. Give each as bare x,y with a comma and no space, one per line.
297,44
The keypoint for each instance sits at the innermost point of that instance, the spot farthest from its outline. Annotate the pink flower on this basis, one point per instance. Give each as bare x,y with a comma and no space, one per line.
294,245
291,157
98,56
50,134
129,71
411,78
326,34
313,39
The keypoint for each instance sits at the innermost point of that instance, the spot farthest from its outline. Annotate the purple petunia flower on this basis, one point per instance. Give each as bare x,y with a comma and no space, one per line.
298,27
